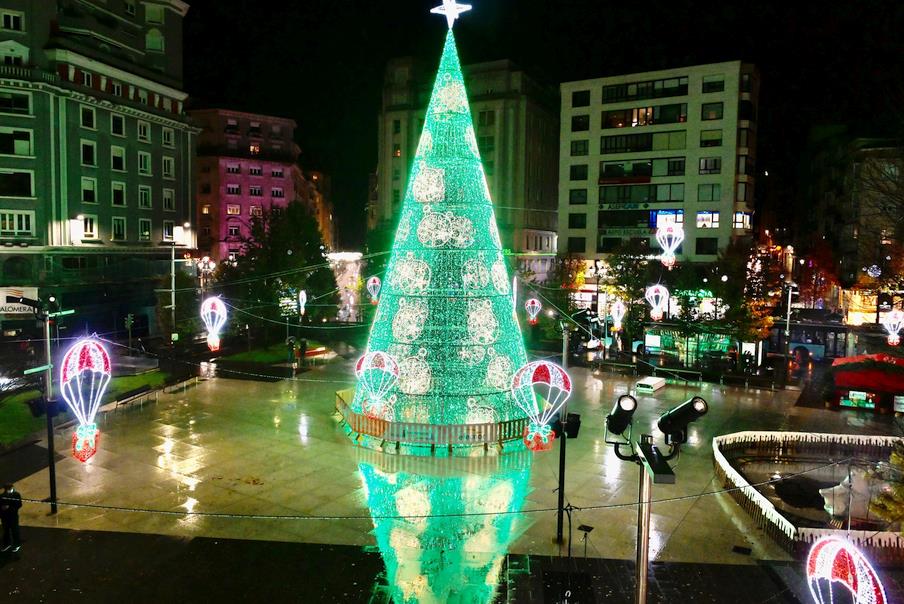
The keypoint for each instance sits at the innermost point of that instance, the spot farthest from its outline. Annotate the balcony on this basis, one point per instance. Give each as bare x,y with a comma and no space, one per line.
31,74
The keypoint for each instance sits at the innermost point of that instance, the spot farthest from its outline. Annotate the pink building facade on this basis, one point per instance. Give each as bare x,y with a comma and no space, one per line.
245,165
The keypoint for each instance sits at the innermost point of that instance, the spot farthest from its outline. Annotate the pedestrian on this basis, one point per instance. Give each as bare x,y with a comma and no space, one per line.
297,362
302,351
10,502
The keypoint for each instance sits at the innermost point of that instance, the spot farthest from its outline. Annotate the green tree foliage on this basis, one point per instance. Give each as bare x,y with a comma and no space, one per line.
889,505
187,303
629,274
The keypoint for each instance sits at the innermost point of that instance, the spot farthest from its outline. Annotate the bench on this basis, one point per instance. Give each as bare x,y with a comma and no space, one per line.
140,394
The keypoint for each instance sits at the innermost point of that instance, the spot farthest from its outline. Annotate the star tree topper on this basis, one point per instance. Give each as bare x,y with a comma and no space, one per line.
451,9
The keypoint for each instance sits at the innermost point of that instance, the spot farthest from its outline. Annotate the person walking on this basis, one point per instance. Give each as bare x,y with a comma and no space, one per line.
10,502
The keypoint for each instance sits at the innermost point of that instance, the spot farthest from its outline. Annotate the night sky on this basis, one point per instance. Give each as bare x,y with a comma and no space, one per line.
321,63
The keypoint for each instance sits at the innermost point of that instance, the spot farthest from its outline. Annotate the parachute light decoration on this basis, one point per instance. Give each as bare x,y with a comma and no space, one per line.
377,373
834,562
669,237
373,288
540,384
893,323
84,376
618,312
213,314
658,297
533,308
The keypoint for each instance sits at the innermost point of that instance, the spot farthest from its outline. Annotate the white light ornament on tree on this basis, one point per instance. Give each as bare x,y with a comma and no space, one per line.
429,185
373,288
669,237
533,308
834,563
618,311
451,10
658,297
540,389
213,315
893,322
84,376
377,372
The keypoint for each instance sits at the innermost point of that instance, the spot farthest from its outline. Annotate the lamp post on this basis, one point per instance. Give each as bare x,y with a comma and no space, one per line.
791,287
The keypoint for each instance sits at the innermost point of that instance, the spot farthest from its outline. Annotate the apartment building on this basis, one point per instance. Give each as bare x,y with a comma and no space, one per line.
245,164
516,125
314,191
95,151
644,149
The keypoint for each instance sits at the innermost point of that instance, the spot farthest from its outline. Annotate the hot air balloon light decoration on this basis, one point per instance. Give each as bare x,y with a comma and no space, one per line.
618,312
84,376
533,308
669,237
377,373
658,297
540,389
893,322
373,288
213,314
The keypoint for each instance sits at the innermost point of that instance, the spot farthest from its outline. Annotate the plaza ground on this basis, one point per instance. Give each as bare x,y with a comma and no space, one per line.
269,462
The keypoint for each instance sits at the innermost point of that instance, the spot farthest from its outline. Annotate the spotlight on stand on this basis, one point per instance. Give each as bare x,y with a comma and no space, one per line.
673,423
619,419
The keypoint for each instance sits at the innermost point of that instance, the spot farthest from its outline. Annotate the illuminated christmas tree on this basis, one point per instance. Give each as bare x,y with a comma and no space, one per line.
445,314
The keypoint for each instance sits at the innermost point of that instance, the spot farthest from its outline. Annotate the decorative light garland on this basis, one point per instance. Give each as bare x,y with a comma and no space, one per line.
833,561
84,376
213,315
893,322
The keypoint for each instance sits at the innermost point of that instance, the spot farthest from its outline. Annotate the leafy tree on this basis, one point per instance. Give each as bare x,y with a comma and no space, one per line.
187,319
889,504
628,275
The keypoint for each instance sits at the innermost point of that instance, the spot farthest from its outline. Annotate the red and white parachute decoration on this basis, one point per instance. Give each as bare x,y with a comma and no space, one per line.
540,389
84,376
658,297
669,237
835,562
373,288
533,308
893,322
213,314
618,311
377,373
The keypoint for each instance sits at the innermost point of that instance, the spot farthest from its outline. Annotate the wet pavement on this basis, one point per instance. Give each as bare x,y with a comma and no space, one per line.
267,461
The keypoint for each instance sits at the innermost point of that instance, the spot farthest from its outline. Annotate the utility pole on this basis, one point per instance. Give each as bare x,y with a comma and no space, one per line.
563,419
130,319
173,288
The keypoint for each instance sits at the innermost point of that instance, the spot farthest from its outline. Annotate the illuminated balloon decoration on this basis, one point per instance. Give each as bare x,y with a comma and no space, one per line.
535,382
618,311
834,562
377,373
533,308
302,300
893,322
84,376
669,237
213,314
373,288
658,297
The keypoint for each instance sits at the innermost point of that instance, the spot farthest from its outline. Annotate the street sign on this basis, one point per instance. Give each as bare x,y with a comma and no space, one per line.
7,308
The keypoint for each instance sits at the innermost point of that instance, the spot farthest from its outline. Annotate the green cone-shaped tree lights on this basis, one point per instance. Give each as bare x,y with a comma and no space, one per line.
445,316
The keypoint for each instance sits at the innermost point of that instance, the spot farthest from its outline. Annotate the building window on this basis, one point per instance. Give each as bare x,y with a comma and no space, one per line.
634,194
117,125
711,138
396,197
254,149
741,220
118,159
15,142
577,245
130,7
486,118
713,83
746,165
255,191
277,192
659,218
489,166
143,96
205,188
707,246
144,163
89,227
13,21
232,189
710,165
578,172
14,222
670,192
154,40
577,196
707,219
396,126
15,102
153,13
255,171
743,192
580,98
144,197
711,111
16,184
169,200
89,154
118,193
233,230
233,209
89,190
276,172
625,143
144,229
119,228
577,221
116,89
87,117
87,79
144,132
255,211
168,137
579,148
396,150
233,169
169,229
709,192
169,167
651,89
486,144
745,82
746,111
205,209
580,123
254,129
745,138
